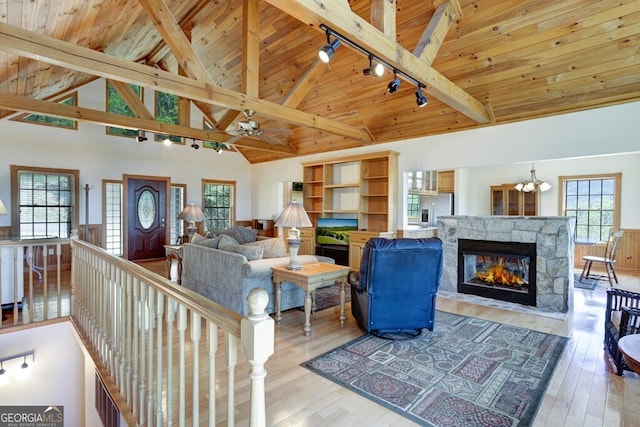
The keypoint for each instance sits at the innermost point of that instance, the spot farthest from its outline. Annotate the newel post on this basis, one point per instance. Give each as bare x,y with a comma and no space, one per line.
257,335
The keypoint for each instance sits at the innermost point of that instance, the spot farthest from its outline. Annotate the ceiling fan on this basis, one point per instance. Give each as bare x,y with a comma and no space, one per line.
251,128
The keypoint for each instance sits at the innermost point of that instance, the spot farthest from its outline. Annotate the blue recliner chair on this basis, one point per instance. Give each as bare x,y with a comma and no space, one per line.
395,290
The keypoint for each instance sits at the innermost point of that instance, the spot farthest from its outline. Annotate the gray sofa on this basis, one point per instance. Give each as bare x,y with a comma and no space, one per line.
226,277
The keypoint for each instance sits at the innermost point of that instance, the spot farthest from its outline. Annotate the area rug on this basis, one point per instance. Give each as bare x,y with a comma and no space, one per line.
329,296
467,372
584,283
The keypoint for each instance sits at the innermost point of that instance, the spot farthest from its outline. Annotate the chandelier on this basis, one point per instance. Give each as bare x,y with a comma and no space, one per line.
533,184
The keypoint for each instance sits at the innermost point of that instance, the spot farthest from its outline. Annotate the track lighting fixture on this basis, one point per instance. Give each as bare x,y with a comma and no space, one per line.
23,372
167,141
373,70
376,65
194,145
328,50
421,100
141,136
394,84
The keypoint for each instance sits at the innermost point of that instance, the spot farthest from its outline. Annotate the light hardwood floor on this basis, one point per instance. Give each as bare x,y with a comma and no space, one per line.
584,390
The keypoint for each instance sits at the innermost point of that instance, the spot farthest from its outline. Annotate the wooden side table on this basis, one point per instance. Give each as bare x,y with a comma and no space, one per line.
171,252
311,277
629,345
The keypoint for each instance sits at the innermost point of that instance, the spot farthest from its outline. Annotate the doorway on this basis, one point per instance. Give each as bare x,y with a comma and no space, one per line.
145,213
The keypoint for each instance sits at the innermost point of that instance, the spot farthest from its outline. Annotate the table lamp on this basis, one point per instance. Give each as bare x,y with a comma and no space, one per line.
293,216
192,214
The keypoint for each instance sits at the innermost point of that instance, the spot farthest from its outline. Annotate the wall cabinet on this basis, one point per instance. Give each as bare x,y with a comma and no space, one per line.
423,182
506,200
446,181
362,187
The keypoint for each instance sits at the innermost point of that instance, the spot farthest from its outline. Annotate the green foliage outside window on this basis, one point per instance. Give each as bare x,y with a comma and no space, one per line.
41,119
592,203
217,199
213,144
116,105
167,111
413,205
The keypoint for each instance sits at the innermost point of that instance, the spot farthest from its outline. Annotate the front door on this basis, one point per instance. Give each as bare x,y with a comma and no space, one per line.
146,218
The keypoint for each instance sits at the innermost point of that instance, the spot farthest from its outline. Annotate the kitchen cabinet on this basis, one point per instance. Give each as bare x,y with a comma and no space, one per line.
506,200
446,181
357,240
423,182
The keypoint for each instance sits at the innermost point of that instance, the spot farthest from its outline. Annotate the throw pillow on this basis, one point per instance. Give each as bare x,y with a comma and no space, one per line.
252,253
208,242
240,234
196,236
273,248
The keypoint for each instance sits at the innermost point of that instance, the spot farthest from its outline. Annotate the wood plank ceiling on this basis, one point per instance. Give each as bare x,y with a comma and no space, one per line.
483,62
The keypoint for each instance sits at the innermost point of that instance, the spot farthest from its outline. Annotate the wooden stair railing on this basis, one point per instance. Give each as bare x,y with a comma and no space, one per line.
134,321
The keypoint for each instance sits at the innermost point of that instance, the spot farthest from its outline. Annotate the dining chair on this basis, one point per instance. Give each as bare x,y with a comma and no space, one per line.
608,260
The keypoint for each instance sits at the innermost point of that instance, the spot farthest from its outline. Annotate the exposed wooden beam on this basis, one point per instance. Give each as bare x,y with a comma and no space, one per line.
49,108
383,17
338,15
68,55
305,84
433,36
132,99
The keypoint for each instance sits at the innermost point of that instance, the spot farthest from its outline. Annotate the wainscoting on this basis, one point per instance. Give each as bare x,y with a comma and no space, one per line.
628,258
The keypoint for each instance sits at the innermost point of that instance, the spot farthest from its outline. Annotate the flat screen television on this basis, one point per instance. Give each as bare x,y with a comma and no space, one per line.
334,231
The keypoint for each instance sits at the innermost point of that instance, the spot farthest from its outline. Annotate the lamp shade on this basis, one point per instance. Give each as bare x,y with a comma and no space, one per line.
293,215
192,213
533,184
3,210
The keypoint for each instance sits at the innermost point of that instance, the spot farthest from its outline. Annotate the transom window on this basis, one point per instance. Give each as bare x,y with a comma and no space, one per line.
218,203
168,111
41,119
46,201
594,201
117,105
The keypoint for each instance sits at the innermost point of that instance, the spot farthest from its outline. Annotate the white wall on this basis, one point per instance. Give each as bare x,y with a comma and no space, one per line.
100,156
602,140
57,377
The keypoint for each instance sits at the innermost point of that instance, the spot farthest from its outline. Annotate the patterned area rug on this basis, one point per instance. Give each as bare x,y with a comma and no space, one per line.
329,296
585,283
467,372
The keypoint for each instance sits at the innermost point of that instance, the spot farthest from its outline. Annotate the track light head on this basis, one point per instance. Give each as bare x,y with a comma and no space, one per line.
394,84
421,100
373,70
194,145
141,136
327,51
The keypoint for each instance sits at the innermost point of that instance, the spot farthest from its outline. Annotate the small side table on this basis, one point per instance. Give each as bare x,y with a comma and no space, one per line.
171,252
311,277
629,345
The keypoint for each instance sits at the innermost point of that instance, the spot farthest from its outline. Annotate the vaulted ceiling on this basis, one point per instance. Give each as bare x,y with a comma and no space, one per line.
482,62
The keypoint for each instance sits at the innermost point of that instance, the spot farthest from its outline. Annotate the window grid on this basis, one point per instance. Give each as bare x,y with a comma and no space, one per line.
45,203
113,218
413,205
176,203
592,203
218,204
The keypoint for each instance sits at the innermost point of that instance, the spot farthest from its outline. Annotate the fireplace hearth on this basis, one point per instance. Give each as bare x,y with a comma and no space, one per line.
500,270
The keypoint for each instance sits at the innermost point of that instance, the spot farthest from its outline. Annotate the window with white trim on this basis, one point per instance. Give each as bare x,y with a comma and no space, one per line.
218,203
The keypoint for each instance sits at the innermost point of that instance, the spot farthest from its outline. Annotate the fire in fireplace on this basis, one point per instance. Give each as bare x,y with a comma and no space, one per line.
501,270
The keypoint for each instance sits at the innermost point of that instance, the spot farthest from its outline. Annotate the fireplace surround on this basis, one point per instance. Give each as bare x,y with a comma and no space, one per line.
500,270
553,239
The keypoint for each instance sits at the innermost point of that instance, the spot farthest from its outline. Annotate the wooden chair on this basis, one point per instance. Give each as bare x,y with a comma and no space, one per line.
622,318
608,260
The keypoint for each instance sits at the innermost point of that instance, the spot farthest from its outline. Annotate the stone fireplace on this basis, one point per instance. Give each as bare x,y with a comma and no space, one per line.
540,270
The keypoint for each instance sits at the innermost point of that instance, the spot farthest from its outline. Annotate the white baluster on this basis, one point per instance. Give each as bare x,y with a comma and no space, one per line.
195,340
182,325
231,358
159,313
212,328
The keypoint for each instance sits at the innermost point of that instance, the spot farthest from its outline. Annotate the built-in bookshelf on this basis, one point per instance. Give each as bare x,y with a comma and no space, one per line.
362,187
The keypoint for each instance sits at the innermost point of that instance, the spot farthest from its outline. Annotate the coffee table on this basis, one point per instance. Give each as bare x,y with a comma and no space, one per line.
311,277
629,345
